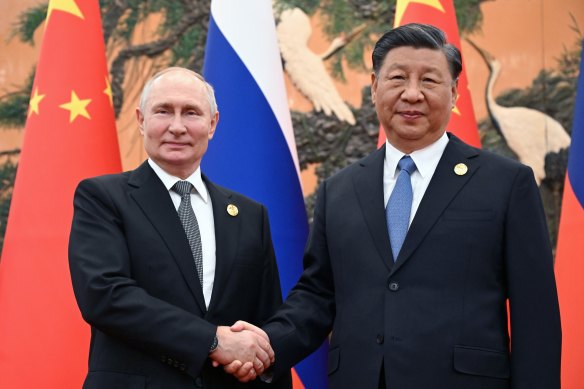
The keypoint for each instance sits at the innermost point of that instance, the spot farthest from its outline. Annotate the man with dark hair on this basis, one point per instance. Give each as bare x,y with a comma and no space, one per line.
162,260
417,250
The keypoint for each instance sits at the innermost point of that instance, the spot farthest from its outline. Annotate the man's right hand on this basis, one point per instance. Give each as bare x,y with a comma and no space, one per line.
246,353
245,371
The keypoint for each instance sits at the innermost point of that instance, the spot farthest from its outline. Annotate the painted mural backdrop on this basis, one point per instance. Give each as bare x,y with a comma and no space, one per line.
325,47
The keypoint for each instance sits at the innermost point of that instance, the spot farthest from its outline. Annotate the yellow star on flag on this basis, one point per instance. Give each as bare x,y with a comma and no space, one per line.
108,91
68,6
76,107
403,5
35,100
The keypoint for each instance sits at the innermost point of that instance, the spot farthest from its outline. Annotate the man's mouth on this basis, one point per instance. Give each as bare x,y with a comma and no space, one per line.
411,114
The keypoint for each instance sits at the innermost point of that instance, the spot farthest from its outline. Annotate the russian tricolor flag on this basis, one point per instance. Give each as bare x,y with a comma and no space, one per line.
570,252
253,150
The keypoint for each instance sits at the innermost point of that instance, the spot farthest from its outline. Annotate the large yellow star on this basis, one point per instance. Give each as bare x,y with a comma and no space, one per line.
403,5
68,6
76,107
33,105
108,91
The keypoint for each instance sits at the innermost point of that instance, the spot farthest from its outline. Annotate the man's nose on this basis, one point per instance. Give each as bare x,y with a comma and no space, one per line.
177,125
412,92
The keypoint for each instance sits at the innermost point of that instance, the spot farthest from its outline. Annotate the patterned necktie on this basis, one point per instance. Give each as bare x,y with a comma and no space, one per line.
399,205
189,222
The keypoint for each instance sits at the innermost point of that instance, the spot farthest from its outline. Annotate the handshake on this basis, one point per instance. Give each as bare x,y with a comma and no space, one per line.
243,350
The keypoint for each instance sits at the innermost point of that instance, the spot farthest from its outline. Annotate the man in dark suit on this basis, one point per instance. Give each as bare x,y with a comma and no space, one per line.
157,286
424,307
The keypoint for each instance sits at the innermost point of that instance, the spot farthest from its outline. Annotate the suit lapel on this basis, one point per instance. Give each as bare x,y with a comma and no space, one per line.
154,200
226,238
444,186
368,185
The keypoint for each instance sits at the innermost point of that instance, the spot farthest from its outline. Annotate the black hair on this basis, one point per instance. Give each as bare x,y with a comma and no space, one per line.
418,36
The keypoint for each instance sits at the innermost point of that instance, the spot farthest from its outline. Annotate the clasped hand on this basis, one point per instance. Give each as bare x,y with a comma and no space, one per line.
244,350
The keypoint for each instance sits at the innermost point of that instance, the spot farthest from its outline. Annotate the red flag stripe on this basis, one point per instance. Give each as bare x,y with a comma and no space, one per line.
570,252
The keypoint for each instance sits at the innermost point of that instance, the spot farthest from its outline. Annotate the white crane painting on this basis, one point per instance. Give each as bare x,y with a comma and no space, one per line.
531,134
306,69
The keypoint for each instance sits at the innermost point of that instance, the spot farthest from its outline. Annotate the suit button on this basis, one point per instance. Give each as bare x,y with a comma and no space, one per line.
393,286
198,382
379,339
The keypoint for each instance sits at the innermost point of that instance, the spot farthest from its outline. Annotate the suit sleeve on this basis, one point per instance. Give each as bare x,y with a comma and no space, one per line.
111,301
301,325
271,291
535,318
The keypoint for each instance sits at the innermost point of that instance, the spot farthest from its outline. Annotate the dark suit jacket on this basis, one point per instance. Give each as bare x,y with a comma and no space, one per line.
437,318
136,285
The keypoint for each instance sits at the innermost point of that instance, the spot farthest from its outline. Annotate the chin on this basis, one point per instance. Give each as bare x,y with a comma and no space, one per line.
410,134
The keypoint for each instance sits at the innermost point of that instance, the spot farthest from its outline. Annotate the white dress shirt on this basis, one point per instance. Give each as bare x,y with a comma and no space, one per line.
203,208
426,161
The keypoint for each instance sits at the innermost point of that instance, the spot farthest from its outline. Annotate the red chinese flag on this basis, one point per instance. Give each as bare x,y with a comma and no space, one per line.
440,13
70,134
570,252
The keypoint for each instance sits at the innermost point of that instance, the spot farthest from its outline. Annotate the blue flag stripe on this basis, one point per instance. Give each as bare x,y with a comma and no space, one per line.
576,157
250,154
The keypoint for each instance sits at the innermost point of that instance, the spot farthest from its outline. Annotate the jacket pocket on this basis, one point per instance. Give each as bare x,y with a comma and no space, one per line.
333,360
481,361
113,380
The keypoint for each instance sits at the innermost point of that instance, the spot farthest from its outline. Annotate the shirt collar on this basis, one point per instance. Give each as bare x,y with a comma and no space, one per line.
426,159
169,180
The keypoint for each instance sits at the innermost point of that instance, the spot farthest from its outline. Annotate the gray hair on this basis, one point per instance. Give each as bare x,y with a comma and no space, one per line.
210,91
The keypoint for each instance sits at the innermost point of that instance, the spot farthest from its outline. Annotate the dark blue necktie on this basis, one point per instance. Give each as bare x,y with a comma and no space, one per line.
399,205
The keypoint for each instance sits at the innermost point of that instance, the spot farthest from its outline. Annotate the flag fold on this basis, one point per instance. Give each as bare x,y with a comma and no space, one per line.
69,135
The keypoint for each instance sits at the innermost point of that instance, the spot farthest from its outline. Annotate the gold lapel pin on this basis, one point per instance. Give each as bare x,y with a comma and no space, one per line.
460,169
232,210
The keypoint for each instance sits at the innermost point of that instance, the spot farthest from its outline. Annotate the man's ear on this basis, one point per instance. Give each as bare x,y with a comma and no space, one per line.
454,92
373,87
140,119
214,121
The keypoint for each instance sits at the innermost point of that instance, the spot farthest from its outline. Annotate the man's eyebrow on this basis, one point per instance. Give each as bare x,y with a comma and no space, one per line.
192,106
184,107
161,105
426,68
